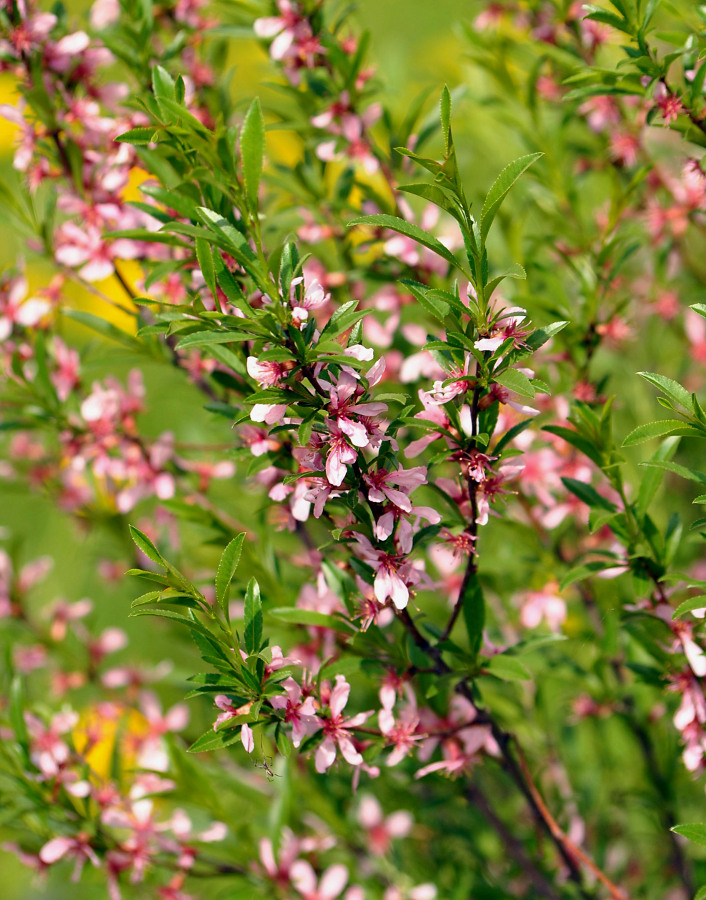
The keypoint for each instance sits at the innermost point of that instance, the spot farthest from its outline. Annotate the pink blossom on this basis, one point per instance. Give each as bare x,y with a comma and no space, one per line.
78,847
544,605
332,882
299,712
340,455
47,750
337,729
381,830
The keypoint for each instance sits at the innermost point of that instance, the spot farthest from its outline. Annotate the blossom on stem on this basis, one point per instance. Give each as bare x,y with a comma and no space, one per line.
299,711
337,729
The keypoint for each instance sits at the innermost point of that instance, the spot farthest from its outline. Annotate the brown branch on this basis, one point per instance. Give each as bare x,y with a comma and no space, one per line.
519,771
568,847
512,846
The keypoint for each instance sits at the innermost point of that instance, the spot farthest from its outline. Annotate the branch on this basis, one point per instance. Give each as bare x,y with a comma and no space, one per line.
512,846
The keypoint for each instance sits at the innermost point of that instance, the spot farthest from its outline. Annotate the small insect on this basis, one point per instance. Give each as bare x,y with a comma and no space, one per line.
266,764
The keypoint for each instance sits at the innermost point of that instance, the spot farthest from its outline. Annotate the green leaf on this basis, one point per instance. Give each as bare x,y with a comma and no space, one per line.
699,308
436,195
253,618
252,151
473,612
445,114
437,308
671,388
226,570
401,226
657,429
695,832
500,188
144,544
215,740
540,337
138,136
516,381
177,617
163,84
204,338
507,668
295,616
597,14
589,495
17,716
700,894
692,603
690,474
581,573
104,328
204,255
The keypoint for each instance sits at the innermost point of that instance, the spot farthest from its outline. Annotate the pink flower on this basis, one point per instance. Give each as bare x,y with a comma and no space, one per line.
288,27
381,830
332,882
15,310
299,713
544,605
337,730
89,252
47,750
152,753
408,479
339,456
268,373
78,847
393,573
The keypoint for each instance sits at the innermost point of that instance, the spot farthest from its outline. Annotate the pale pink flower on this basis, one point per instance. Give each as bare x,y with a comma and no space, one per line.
332,882
78,847
544,605
380,830
337,729
340,455
299,711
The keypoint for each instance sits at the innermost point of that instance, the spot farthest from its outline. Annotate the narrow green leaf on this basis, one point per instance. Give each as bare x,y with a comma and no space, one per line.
689,605
656,429
192,624
311,617
671,388
540,337
17,715
436,195
163,84
226,570
104,328
204,338
507,668
445,115
589,495
473,613
401,226
138,136
253,618
252,151
215,740
695,832
516,381
144,544
690,474
500,188
204,255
